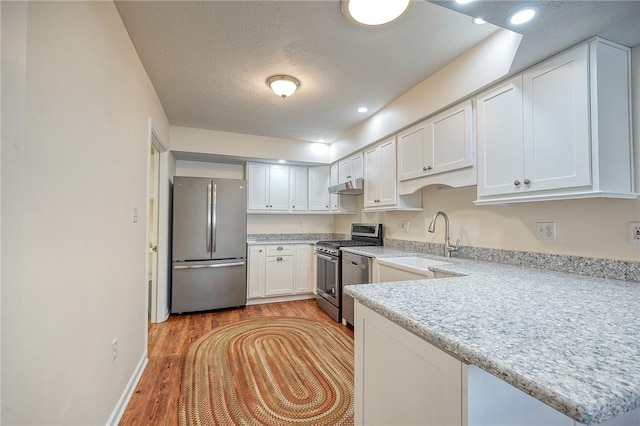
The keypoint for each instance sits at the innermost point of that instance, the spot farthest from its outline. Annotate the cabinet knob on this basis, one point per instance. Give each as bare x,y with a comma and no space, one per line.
293,207
427,168
280,248
516,182
279,259
527,182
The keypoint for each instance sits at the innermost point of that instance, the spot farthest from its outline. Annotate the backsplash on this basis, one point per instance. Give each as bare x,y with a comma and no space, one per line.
297,237
603,268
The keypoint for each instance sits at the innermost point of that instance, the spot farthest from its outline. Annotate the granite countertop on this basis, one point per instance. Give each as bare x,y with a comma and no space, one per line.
571,341
278,242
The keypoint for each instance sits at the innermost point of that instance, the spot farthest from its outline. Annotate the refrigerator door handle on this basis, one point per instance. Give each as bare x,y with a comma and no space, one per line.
218,265
209,206
214,216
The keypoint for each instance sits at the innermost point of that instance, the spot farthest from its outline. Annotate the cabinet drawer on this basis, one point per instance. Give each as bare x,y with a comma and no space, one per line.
280,250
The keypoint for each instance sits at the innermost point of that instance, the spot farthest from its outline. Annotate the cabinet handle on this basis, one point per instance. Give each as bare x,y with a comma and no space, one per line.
280,248
527,182
279,259
516,182
427,168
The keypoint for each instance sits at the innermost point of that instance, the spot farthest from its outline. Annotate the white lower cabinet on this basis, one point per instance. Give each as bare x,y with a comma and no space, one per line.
402,379
280,270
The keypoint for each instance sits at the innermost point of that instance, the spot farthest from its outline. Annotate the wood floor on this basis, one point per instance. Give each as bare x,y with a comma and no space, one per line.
155,400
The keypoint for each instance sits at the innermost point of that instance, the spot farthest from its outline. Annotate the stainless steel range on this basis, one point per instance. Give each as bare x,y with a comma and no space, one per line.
329,273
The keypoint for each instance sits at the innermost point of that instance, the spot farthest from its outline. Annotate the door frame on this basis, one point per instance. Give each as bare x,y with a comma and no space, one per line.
159,308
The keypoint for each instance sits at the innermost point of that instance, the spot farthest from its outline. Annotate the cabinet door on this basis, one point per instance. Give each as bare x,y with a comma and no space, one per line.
449,140
387,179
401,379
279,275
500,140
278,187
256,272
344,171
318,188
304,277
333,178
371,177
356,164
412,152
556,122
258,181
298,186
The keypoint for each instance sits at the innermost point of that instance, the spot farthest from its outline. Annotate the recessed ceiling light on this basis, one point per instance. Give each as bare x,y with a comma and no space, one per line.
522,16
362,110
479,21
463,1
374,12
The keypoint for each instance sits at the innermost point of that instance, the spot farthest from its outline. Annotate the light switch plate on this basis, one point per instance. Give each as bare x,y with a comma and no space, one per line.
404,225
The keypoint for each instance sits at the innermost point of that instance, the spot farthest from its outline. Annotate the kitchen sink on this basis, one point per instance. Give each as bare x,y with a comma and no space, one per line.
408,268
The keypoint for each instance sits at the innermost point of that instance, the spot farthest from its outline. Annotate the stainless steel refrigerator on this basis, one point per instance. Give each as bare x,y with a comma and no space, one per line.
209,244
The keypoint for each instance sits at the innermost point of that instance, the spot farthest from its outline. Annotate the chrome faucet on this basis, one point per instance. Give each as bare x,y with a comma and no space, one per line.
448,248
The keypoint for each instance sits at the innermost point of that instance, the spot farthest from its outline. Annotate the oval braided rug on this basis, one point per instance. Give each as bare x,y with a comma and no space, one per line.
269,371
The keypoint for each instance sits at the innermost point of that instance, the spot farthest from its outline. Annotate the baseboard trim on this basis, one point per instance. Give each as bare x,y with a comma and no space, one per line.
122,403
276,299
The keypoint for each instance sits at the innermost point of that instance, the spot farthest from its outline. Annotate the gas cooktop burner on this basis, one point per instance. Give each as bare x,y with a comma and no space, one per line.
346,243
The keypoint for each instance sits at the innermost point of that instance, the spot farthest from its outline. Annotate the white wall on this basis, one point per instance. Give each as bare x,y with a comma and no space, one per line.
79,271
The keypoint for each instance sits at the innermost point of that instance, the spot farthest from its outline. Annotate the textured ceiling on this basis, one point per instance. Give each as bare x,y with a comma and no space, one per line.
209,60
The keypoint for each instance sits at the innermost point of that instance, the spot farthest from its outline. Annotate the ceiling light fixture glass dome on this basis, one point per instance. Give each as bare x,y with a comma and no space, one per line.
283,85
374,12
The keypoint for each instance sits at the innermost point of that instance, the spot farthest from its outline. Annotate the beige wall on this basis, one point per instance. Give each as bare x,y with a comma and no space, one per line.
78,277
185,139
589,227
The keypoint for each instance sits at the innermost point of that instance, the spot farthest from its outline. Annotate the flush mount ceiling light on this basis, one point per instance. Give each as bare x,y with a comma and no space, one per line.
362,110
374,12
523,15
283,85
479,21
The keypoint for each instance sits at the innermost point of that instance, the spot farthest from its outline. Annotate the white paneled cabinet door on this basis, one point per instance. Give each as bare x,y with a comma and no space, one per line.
372,177
278,187
333,180
256,272
318,188
279,275
449,140
344,170
401,379
387,177
556,123
500,140
412,145
304,277
356,163
298,185
258,179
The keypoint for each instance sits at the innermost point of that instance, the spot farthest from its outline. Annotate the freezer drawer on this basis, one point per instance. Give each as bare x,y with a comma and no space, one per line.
201,286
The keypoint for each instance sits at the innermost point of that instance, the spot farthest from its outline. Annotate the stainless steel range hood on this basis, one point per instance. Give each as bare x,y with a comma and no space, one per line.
350,187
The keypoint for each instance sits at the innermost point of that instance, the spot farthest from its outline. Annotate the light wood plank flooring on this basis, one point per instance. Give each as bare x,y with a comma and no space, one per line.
155,400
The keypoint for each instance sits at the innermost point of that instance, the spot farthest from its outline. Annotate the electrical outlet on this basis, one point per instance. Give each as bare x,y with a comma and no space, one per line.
404,225
546,230
114,350
634,232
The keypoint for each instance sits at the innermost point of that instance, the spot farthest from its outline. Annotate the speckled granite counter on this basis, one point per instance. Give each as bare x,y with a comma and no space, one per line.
278,242
571,341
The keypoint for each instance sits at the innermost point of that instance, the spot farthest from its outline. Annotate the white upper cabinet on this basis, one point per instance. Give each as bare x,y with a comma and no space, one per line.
268,187
440,144
351,168
340,203
560,130
318,188
298,186
380,182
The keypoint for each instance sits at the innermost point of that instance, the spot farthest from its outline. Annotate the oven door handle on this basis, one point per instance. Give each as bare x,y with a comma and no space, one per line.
330,259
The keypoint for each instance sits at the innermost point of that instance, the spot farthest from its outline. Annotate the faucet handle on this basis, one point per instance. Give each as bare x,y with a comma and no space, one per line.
451,249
